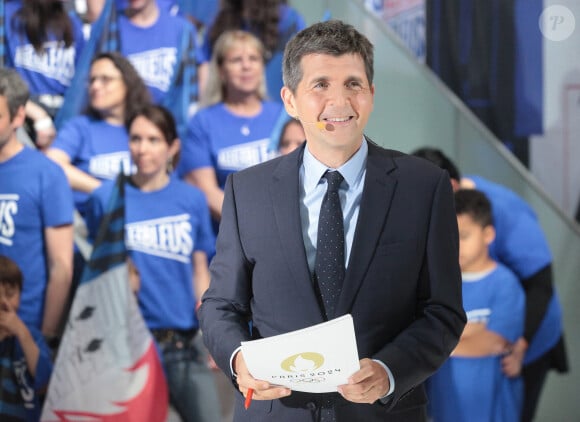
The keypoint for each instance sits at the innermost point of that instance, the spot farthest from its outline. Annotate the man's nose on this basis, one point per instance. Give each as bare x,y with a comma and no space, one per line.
338,96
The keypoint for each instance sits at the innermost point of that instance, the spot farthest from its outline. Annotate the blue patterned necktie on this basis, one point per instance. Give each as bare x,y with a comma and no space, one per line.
329,264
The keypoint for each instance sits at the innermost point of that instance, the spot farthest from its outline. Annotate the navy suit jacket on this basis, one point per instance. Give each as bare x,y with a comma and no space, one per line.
402,285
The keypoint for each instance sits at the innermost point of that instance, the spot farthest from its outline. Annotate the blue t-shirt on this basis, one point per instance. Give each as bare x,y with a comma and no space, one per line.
202,10
474,389
520,245
19,400
227,142
48,73
162,230
155,50
95,147
34,195
291,22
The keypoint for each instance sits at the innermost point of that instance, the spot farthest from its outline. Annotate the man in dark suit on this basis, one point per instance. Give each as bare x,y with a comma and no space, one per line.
399,249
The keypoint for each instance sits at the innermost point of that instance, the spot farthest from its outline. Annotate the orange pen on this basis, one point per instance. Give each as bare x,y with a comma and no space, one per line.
249,398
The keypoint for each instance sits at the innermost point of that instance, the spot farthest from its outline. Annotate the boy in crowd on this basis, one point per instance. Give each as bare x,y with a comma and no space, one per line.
470,386
25,363
521,245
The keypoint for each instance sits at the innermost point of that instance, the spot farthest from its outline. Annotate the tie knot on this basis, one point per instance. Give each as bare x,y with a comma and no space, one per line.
334,179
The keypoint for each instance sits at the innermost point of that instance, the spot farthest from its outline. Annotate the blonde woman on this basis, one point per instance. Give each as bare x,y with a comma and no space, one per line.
232,131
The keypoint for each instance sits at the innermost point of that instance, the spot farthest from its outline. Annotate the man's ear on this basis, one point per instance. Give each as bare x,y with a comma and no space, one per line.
288,99
19,117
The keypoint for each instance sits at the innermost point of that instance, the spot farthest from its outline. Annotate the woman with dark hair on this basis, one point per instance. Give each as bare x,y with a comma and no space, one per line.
169,271
272,21
93,147
43,42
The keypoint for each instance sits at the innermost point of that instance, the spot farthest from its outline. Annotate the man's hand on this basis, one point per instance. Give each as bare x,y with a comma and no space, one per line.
367,385
511,364
262,389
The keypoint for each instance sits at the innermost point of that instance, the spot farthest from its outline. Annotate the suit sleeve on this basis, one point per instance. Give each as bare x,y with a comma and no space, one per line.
420,349
225,309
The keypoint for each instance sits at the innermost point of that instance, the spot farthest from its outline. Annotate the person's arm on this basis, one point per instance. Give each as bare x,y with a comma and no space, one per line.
78,179
201,273
225,310
29,348
522,246
206,180
10,321
42,123
539,290
478,341
59,250
134,277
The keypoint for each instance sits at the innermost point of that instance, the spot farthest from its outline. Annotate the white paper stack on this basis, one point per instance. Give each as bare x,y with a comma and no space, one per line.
315,359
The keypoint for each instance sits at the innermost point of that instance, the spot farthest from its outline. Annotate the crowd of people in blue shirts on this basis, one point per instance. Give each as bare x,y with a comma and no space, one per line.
176,95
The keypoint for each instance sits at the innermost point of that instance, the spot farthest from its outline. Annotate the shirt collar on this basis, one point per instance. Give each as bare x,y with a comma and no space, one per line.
351,170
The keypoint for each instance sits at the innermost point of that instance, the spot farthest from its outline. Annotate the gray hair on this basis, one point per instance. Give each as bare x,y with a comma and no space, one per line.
14,89
332,37
215,90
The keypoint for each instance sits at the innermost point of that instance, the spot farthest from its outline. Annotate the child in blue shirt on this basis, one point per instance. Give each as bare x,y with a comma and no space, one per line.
471,386
25,363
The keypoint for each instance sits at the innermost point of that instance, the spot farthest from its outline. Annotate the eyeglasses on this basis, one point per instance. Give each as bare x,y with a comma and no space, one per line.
104,79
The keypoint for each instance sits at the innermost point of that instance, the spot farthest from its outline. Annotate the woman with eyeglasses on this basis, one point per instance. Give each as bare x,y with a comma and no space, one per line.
93,147
161,46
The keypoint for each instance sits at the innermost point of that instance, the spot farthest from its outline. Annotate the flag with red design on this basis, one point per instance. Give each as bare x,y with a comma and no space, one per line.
107,368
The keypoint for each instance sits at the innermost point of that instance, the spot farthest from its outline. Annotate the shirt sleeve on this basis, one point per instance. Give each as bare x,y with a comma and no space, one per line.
196,148
508,309
57,199
70,137
44,364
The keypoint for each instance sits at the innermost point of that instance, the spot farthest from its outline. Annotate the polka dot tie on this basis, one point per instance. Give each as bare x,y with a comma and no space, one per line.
329,264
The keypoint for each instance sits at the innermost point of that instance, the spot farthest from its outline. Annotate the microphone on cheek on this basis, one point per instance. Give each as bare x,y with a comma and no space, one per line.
321,125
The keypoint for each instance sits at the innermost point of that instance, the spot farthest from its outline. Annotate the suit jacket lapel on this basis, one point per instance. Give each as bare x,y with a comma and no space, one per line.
284,191
377,195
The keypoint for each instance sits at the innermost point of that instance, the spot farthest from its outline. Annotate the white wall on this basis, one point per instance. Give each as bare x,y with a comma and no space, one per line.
555,156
